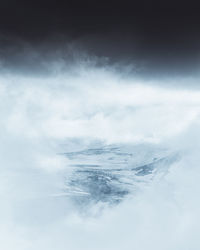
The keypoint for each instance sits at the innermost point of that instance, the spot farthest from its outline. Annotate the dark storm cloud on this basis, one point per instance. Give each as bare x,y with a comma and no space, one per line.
154,20
158,35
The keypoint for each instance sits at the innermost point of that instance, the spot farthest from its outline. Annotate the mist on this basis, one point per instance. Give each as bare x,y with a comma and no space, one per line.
45,118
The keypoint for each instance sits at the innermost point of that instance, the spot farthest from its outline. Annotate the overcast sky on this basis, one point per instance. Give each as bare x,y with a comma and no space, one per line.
159,36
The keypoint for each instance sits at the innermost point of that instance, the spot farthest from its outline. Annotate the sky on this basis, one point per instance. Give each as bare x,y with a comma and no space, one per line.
158,36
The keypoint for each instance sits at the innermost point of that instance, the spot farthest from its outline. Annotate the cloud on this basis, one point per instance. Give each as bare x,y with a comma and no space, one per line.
42,116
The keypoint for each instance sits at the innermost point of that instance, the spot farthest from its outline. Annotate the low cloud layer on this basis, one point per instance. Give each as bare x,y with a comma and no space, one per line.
41,117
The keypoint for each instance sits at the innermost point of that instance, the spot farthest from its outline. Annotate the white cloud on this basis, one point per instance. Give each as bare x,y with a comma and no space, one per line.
38,115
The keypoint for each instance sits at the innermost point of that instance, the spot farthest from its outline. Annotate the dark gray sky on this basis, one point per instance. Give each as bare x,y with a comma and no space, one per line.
163,35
